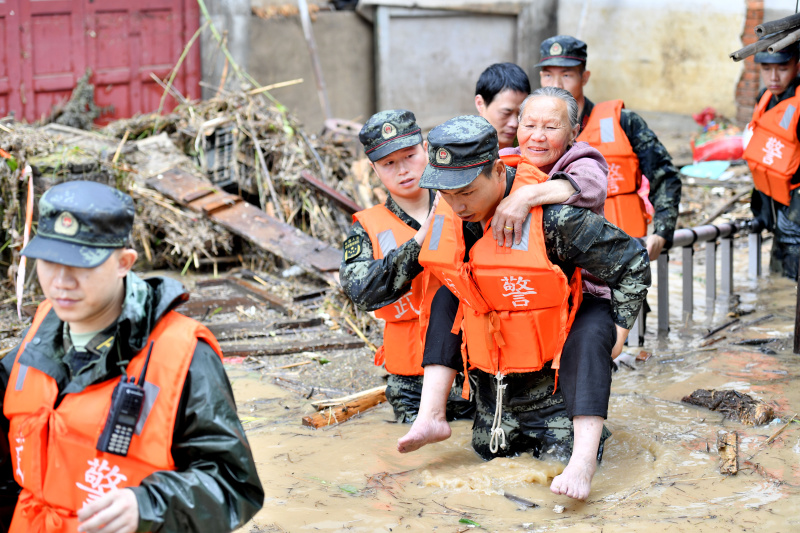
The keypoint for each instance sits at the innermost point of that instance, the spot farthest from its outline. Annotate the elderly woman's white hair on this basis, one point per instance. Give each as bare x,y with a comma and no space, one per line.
555,92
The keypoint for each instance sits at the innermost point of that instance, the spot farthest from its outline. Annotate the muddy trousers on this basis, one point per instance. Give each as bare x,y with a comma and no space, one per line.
403,394
784,257
533,419
584,380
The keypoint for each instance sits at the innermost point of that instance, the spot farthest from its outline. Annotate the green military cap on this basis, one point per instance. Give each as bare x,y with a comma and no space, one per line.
781,56
562,51
81,223
389,131
457,152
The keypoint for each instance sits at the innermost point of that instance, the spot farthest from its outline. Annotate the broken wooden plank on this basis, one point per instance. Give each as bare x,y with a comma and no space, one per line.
728,447
250,222
343,411
322,404
244,330
200,307
344,201
289,347
242,286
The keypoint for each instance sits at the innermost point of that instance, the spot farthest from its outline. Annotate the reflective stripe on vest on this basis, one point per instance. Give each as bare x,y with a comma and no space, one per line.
53,449
517,306
773,152
407,318
604,132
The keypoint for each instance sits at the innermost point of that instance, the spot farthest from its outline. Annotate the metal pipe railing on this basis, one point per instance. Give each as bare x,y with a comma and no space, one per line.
708,234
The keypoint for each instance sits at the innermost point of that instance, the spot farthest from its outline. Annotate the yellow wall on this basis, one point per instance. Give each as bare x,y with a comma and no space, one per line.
660,55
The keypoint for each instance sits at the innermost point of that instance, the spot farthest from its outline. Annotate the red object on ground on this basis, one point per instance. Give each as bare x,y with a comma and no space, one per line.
705,116
726,148
46,45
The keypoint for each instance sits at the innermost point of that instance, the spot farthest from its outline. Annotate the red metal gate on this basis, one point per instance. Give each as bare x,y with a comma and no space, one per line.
46,45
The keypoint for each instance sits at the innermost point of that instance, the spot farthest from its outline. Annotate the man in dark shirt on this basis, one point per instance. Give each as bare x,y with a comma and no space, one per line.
500,90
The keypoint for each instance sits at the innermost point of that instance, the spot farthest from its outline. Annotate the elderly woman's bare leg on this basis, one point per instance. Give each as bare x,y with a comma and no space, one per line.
576,479
431,423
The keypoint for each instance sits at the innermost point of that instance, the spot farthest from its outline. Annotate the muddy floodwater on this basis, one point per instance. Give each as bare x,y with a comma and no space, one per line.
660,471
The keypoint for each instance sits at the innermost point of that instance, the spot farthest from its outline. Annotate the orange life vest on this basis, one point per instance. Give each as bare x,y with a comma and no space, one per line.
517,306
53,449
623,208
407,318
773,153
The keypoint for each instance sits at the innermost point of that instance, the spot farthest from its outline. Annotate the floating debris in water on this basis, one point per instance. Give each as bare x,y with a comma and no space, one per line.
733,404
522,502
558,509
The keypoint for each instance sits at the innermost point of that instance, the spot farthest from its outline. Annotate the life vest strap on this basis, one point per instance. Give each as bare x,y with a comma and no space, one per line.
52,518
380,356
457,323
498,437
464,357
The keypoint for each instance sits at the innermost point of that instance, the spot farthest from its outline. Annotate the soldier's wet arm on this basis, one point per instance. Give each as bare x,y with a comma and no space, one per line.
374,283
586,240
215,486
655,163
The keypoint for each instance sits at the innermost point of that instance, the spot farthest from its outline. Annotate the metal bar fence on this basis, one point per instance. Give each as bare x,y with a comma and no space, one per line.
708,234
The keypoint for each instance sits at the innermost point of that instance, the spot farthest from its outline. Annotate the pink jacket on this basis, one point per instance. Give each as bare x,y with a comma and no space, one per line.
587,170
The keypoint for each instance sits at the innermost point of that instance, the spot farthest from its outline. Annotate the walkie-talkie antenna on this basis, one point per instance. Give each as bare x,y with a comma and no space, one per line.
146,362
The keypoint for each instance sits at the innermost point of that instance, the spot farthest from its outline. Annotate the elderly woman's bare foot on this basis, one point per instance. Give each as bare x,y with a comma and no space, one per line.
424,431
576,479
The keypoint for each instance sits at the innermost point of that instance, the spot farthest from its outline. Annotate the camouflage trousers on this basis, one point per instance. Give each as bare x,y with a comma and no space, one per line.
534,419
403,394
784,258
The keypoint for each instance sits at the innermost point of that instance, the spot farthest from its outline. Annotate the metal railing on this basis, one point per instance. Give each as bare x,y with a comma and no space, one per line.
685,239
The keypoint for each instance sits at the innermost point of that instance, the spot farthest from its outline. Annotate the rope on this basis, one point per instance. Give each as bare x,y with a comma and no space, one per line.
497,431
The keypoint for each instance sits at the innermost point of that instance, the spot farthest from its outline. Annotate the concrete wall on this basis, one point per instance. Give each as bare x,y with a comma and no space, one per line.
660,55
776,9
231,18
278,52
431,60
274,50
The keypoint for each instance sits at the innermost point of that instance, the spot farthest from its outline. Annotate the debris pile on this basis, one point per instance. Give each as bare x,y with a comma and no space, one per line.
734,405
248,145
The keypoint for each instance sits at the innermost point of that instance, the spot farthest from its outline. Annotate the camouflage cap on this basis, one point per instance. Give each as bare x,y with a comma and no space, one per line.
562,51
457,152
782,56
81,223
389,131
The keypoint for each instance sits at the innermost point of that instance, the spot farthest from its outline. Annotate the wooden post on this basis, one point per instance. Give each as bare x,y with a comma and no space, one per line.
728,446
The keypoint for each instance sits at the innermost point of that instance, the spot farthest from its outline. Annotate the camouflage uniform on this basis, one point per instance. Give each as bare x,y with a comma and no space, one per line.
534,419
655,163
375,283
782,220
539,420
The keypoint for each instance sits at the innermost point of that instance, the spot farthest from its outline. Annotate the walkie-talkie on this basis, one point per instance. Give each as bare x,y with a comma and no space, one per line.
126,406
